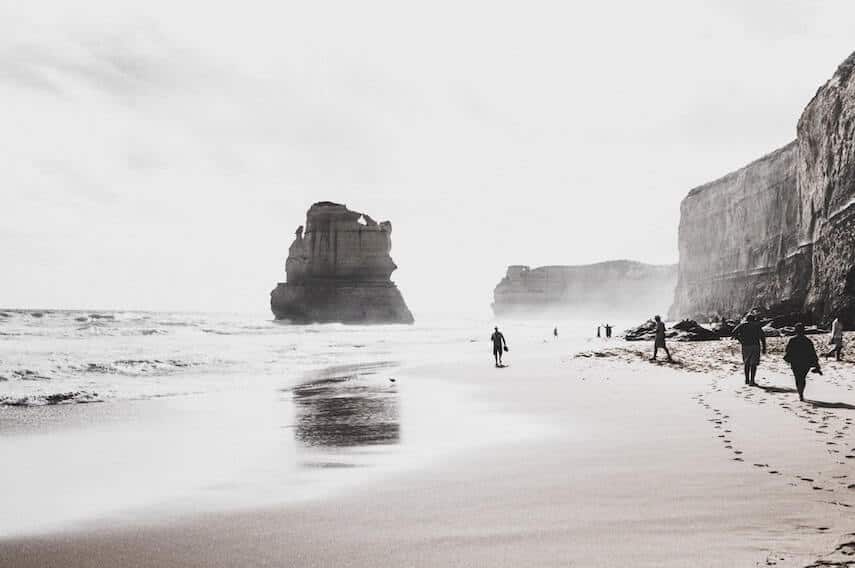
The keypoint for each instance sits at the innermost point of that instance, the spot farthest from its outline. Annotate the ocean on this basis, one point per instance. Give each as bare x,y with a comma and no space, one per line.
134,414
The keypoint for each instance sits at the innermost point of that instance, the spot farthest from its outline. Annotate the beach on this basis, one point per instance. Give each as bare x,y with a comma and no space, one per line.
568,456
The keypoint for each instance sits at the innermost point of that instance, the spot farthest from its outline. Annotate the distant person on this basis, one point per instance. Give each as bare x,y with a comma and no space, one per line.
598,331
659,339
499,345
750,335
801,355
836,340
555,332
608,331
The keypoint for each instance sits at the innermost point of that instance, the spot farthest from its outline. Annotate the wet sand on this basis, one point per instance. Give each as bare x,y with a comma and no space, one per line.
625,462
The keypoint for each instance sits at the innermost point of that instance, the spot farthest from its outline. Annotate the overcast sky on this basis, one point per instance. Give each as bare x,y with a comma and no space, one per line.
160,154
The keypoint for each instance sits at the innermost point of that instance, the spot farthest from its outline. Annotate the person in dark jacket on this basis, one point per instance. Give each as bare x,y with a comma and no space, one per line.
801,355
750,335
499,345
659,339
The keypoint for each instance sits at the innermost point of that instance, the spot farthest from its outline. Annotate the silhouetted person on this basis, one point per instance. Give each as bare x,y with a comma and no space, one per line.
836,340
753,340
598,331
608,331
659,339
555,332
499,345
801,355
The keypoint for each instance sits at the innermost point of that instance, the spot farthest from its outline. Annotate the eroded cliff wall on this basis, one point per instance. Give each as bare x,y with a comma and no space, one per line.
339,270
826,177
778,233
739,240
620,288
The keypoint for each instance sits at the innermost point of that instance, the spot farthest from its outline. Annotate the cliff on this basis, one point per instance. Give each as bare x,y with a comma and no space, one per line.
620,288
779,233
339,270
826,175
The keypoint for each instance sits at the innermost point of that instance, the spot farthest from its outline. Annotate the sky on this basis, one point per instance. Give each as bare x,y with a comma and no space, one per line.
160,154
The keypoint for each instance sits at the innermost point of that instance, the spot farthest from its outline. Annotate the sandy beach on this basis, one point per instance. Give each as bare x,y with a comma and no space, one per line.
624,462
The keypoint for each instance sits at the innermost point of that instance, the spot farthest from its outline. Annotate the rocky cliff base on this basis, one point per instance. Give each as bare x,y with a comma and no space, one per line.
352,303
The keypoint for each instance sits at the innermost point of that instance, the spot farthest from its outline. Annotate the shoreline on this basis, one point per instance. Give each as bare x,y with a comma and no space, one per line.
333,429
633,470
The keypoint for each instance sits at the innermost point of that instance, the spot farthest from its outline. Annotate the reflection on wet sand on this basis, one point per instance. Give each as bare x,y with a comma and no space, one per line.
346,409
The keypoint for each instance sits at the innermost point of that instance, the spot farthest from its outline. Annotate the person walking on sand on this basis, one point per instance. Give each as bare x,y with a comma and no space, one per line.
836,340
608,331
753,340
499,345
659,339
555,332
801,355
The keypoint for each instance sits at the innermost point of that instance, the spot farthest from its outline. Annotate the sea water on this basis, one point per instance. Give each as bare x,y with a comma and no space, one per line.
107,414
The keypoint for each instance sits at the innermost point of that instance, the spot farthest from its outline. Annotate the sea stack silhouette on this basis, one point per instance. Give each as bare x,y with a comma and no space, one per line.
616,288
339,270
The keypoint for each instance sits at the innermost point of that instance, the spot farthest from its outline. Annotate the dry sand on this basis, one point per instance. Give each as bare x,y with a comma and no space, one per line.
639,464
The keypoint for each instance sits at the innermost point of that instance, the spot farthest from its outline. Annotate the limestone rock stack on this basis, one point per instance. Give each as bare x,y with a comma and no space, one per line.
339,270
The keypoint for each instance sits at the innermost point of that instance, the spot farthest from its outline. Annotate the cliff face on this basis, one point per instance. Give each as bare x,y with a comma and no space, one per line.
826,175
617,288
339,270
780,232
739,240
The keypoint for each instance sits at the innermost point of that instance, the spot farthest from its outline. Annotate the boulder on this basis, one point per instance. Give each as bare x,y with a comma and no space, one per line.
685,330
643,332
690,330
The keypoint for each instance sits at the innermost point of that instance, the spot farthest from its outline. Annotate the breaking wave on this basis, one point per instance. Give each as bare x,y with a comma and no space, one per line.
72,397
137,366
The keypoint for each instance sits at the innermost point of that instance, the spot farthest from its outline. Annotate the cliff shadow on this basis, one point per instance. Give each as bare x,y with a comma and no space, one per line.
349,409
